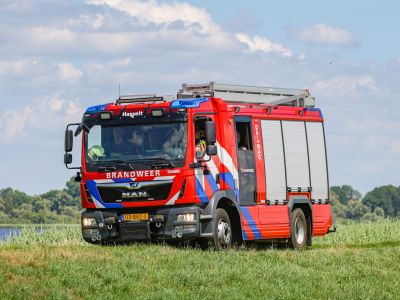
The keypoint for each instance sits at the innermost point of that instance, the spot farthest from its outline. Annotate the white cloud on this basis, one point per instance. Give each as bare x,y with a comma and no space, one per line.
55,103
321,33
12,123
67,71
258,43
195,20
36,119
16,67
49,36
88,21
73,110
163,13
346,85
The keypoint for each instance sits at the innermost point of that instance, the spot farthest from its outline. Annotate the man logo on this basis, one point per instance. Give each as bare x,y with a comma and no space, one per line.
133,185
132,195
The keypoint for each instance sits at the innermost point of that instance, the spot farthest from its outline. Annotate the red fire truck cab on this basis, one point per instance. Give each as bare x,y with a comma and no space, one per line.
219,164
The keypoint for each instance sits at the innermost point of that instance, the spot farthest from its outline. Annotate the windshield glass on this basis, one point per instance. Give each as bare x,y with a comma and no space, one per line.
139,145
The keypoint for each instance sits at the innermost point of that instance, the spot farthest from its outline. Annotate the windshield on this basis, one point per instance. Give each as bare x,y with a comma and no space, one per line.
136,146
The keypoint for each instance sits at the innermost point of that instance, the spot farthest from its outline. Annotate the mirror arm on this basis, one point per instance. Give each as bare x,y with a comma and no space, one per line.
198,164
74,168
72,124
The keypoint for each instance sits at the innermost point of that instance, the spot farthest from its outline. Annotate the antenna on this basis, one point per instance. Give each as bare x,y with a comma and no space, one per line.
119,90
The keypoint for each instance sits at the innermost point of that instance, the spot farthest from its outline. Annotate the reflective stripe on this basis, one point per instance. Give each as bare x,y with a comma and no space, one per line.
200,191
251,222
104,180
214,171
227,161
163,178
97,203
173,199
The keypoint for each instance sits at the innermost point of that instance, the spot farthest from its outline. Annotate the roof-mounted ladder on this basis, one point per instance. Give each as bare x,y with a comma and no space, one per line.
248,94
142,98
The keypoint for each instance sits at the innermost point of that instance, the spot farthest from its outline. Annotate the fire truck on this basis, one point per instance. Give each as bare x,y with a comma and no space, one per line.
218,164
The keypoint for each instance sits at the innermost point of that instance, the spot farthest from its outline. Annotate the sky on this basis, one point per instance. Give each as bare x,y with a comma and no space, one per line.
58,57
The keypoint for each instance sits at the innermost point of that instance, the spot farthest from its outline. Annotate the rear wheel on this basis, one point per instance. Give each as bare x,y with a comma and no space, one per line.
222,239
298,229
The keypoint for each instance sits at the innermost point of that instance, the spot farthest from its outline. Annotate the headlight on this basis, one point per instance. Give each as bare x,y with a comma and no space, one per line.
89,222
185,218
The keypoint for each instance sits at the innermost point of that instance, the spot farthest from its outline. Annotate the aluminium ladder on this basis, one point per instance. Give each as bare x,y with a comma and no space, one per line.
248,94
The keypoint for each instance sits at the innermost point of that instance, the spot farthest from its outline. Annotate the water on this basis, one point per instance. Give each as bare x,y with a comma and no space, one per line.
7,232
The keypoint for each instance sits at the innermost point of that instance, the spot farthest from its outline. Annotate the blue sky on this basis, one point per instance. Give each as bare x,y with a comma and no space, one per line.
57,57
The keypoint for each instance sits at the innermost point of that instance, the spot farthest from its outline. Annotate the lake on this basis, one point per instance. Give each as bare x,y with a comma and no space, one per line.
9,231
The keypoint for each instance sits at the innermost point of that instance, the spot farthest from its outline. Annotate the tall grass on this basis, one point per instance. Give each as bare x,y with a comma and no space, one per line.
348,234
50,235
356,233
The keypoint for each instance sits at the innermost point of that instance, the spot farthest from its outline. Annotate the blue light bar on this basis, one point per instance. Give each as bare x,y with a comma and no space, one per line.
96,108
188,103
315,109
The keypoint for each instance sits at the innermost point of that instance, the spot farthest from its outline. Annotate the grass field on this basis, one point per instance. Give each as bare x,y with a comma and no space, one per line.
360,261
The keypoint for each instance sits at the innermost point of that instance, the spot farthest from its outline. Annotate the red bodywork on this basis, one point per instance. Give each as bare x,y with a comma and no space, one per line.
260,221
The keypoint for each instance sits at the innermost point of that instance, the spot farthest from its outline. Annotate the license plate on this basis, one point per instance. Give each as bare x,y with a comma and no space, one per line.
135,217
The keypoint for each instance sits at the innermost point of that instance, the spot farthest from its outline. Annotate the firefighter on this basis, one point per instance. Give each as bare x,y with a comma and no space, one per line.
119,144
241,144
201,146
136,141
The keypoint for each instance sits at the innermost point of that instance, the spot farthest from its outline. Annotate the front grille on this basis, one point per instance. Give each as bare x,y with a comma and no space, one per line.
153,190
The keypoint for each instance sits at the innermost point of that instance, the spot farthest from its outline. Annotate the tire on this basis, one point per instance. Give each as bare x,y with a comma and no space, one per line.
298,229
223,236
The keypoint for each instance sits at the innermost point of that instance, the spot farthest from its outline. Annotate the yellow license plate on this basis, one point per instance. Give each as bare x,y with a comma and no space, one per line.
135,217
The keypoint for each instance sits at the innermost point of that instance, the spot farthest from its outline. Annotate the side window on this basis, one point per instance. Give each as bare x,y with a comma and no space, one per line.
94,144
200,137
243,136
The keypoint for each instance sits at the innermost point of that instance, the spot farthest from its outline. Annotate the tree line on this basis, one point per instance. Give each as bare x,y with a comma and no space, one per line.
55,206
348,203
64,205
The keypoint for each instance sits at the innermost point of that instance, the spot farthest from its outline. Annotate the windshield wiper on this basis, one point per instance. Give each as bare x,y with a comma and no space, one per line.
162,162
106,168
119,162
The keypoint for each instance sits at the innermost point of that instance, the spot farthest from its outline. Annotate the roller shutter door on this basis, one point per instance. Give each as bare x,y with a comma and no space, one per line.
274,160
296,154
318,164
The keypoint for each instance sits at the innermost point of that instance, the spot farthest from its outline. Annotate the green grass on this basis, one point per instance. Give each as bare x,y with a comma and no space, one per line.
360,261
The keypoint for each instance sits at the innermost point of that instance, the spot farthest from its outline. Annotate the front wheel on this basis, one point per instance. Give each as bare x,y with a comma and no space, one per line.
298,229
222,239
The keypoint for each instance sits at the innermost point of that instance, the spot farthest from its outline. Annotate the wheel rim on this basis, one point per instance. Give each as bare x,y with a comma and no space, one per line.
299,230
224,233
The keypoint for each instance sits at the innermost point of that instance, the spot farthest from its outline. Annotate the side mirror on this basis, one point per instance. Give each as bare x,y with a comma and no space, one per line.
211,136
67,158
211,150
68,145
68,140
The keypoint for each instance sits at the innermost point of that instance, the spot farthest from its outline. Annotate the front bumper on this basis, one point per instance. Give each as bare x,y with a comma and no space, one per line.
162,224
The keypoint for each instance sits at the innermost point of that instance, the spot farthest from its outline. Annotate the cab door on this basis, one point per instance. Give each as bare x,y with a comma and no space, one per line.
246,161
